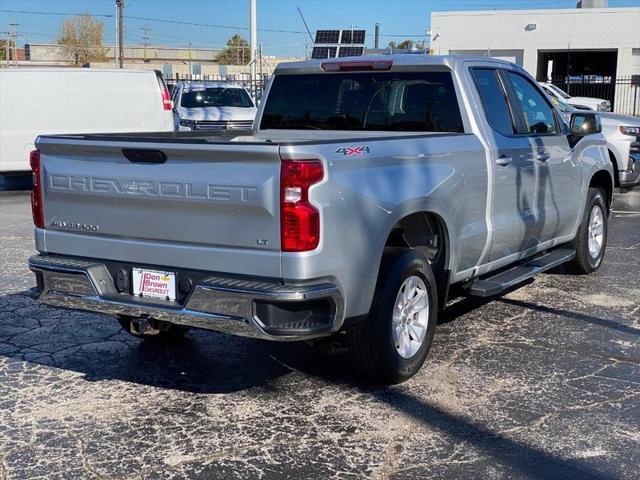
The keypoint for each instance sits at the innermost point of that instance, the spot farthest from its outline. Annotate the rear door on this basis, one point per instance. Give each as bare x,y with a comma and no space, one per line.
203,206
513,204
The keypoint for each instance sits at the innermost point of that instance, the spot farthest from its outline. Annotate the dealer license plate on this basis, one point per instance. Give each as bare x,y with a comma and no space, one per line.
154,284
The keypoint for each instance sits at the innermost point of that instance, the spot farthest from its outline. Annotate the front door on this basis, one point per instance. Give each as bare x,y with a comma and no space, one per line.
557,176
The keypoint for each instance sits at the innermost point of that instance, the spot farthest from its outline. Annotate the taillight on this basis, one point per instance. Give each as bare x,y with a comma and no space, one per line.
36,192
166,98
164,92
299,219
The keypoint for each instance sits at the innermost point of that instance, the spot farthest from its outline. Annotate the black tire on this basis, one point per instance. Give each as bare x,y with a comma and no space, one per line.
159,332
585,263
371,345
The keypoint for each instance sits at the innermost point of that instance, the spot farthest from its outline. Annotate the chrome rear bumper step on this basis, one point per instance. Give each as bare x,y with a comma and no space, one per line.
506,279
245,307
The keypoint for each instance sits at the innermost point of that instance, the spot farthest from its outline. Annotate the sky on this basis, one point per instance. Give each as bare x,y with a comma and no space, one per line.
209,23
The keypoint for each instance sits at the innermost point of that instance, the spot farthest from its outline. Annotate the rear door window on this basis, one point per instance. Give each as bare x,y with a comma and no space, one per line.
387,101
494,100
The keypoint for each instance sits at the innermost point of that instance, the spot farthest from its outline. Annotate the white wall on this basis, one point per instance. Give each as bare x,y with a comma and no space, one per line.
592,28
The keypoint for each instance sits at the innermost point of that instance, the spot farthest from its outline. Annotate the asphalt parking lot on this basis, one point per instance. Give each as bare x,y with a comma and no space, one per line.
542,383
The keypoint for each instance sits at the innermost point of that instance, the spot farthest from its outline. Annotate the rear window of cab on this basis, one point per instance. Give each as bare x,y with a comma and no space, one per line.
381,101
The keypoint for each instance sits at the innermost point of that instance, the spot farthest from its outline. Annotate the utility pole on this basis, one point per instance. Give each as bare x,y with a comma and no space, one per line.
12,41
145,37
120,15
253,44
377,36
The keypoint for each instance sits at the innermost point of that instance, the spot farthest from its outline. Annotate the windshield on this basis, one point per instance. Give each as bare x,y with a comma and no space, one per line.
559,91
413,102
215,97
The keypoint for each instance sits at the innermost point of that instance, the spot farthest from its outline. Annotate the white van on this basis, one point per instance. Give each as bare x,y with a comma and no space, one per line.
76,100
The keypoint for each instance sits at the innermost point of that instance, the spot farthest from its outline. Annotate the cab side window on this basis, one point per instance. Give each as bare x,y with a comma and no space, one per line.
494,100
538,117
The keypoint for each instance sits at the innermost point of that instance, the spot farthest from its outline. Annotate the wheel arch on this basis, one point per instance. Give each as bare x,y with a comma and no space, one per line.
603,181
427,232
614,163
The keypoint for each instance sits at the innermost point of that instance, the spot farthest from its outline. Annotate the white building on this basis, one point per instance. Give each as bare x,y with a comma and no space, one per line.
597,44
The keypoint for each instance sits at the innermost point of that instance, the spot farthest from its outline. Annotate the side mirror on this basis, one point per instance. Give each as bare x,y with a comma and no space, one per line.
585,123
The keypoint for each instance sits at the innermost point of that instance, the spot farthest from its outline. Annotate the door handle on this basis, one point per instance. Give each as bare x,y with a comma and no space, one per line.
543,156
503,160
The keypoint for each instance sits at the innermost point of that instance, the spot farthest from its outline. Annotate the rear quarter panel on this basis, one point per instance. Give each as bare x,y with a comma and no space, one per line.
363,196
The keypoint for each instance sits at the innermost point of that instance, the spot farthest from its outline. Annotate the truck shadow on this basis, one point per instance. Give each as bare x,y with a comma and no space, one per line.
95,346
210,363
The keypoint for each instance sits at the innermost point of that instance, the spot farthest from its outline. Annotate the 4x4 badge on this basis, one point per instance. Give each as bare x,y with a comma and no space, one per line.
348,151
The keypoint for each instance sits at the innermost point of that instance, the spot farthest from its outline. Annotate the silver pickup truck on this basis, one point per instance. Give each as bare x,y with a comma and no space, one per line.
368,187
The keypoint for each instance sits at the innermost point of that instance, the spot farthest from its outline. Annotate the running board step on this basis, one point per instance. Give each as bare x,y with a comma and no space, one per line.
505,279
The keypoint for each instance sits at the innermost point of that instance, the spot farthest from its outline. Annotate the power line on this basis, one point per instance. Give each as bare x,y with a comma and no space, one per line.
158,20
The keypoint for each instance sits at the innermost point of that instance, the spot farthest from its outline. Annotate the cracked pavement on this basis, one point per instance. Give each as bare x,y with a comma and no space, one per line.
542,382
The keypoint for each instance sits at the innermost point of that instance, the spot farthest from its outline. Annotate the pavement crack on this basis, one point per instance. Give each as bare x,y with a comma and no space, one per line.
86,463
4,470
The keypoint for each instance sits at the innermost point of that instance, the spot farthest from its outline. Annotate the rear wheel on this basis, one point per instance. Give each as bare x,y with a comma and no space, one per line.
151,329
393,343
591,240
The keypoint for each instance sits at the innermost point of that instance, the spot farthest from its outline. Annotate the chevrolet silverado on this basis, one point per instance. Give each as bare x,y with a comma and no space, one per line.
367,188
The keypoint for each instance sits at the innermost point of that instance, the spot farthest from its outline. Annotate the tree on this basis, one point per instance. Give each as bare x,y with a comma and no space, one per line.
4,44
236,52
405,44
81,38
408,44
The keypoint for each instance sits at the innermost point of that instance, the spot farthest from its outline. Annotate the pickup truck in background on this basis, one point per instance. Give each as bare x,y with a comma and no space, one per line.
367,188
622,134
581,103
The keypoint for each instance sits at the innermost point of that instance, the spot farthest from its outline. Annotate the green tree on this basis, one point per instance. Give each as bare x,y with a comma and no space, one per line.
82,39
407,44
236,52
3,48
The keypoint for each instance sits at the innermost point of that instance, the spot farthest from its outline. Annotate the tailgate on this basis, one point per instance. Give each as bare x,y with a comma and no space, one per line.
211,207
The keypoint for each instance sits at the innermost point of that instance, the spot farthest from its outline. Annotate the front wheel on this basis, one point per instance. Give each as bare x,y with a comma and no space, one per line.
393,343
591,240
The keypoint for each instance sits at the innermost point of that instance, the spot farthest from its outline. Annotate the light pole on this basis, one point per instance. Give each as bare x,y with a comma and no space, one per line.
120,11
253,48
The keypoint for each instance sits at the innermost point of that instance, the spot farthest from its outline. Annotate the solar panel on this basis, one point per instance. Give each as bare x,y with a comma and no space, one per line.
353,36
338,43
350,51
327,36
324,52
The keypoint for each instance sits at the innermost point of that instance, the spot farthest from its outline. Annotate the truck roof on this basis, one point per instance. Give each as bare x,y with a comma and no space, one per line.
399,60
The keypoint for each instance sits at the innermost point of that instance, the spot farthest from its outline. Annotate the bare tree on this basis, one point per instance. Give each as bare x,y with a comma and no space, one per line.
81,38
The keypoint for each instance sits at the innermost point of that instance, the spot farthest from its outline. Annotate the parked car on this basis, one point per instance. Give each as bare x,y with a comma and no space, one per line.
582,103
369,188
76,100
212,106
622,133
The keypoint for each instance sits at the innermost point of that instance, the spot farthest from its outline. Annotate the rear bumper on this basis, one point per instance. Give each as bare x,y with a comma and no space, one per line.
251,308
631,177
